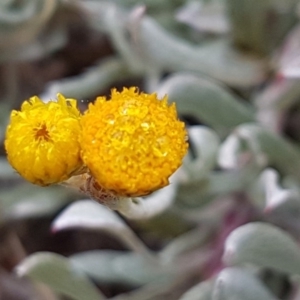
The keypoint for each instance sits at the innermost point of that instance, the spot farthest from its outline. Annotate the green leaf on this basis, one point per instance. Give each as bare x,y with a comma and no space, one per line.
119,267
288,58
201,291
252,27
56,272
229,152
205,143
236,284
152,48
267,148
6,171
149,206
196,193
20,24
90,214
29,201
275,197
218,60
263,245
90,82
206,100
186,242
209,16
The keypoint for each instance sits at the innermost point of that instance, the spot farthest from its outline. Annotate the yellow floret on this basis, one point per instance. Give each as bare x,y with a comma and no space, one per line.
133,143
42,140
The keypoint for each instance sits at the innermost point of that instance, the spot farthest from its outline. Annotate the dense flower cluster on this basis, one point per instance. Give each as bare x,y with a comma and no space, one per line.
133,142
130,144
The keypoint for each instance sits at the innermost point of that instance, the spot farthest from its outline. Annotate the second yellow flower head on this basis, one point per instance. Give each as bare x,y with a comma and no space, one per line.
132,143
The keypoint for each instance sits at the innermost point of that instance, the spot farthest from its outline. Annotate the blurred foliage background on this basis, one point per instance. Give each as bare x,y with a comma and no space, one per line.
229,225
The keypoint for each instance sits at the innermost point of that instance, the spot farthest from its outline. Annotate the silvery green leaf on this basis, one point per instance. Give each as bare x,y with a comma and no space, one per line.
149,206
257,191
237,284
201,291
280,202
37,49
91,215
275,99
28,201
263,245
205,17
270,148
196,193
10,14
155,48
218,60
22,25
185,242
205,143
56,271
89,82
275,195
152,205
249,21
229,152
5,107
96,10
206,100
140,272
210,215
283,91
119,267
289,60
6,171
236,145
224,182
98,265
88,214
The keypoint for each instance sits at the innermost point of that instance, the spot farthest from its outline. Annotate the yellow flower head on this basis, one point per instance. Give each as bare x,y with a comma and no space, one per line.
133,143
42,140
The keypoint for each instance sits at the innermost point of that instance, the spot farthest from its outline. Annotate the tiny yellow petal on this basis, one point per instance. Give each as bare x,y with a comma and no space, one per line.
133,143
42,140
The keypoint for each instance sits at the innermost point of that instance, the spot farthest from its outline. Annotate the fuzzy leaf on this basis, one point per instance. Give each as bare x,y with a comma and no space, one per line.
250,21
218,60
267,147
236,284
55,271
206,100
205,17
289,64
28,201
229,151
275,195
201,291
118,267
205,143
91,215
148,207
88,214
88,83
263,245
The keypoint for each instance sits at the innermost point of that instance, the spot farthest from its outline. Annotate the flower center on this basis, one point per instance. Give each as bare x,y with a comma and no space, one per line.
41,133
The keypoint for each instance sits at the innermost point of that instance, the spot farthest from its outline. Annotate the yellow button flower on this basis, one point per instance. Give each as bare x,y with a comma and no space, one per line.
133,143
42,140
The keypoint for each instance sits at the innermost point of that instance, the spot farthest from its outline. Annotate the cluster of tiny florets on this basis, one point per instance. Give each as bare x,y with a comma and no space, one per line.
42,140
133,142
